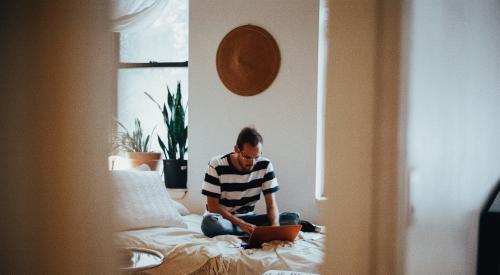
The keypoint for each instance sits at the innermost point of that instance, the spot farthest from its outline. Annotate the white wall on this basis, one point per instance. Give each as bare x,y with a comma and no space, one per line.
285,113
454,129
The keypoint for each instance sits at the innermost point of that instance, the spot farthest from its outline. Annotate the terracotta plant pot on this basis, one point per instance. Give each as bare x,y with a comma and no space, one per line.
152,159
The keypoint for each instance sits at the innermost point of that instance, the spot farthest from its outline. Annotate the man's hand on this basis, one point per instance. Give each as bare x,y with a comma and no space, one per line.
214,206
247,227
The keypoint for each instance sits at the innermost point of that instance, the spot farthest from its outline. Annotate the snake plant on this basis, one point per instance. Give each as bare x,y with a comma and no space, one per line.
174,117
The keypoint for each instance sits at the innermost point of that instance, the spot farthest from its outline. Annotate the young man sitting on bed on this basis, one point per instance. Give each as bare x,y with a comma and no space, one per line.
233,183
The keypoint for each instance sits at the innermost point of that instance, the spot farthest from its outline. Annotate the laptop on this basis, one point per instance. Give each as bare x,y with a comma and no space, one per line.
262,234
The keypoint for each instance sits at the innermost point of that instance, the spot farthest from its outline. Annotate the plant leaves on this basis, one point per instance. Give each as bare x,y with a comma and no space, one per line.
162,146
150,97
145,147
131,142
165,115
172,148
170,100
174,117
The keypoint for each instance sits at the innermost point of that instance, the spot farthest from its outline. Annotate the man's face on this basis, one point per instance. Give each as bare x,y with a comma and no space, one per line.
248,156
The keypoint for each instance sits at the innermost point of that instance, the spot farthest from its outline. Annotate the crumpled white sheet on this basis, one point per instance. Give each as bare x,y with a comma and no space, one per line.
189,251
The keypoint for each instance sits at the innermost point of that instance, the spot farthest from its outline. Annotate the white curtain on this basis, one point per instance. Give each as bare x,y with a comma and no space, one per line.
136,15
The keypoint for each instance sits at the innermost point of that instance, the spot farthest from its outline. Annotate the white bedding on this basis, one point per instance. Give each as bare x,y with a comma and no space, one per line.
188,251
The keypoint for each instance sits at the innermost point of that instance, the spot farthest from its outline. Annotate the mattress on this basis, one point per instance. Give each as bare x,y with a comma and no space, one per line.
188,251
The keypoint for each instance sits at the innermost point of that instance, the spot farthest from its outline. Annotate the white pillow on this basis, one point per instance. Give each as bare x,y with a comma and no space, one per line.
142,201
180,208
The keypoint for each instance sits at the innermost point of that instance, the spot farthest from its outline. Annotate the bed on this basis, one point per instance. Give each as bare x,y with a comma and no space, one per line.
186,250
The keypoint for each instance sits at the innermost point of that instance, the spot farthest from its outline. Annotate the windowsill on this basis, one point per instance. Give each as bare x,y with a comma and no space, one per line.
177,194
321,199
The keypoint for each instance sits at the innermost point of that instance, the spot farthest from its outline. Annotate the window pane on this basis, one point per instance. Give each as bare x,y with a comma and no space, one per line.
132,102
165,41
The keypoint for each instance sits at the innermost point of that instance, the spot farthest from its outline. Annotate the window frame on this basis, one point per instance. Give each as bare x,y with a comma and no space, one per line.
149,64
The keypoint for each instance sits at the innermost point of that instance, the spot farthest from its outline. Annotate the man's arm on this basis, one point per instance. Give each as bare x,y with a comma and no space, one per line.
214,206
272,209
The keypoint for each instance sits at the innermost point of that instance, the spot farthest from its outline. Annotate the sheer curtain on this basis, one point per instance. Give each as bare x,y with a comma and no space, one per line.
136,15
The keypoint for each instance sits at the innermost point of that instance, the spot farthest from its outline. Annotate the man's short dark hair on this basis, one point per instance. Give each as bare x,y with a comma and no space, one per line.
248,135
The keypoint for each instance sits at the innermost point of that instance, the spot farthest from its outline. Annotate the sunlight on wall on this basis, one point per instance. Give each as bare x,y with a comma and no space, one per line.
320,107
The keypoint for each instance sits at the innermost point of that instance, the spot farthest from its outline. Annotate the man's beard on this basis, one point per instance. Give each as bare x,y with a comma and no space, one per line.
244,167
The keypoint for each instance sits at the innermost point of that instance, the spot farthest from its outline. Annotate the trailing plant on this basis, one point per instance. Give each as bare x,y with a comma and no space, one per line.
174,117
134,141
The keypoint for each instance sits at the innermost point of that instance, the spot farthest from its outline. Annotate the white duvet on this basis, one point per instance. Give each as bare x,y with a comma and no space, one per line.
188,251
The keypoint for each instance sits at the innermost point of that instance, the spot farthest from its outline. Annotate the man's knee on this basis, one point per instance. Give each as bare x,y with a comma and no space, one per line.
210,224
213,224
289,218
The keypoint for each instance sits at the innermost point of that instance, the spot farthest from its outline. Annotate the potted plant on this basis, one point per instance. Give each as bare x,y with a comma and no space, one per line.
136,145
175,147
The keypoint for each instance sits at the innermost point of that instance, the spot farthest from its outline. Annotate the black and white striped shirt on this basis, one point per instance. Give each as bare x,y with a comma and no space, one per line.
238,191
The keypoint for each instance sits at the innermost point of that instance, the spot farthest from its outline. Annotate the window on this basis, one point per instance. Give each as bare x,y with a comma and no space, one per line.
150,60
